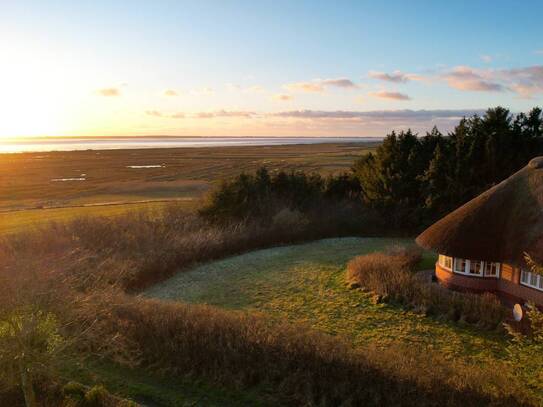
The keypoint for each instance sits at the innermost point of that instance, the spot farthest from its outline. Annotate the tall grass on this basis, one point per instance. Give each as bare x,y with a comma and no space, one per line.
80,273
303,366
138,249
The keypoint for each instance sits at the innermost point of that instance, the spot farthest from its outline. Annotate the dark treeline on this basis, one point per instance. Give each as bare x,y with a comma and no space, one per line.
263,194
415,180
408,183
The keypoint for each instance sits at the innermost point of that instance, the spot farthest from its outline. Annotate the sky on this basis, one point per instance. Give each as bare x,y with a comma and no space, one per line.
263,68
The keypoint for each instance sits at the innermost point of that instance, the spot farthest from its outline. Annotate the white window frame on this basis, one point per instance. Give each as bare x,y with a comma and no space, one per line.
530,277
466,266
482,269
442,262
498,269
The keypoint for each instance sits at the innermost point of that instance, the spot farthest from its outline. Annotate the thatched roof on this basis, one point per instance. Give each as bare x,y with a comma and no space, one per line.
499,225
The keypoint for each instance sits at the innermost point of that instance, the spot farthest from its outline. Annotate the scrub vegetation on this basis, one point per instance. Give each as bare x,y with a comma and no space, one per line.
390,275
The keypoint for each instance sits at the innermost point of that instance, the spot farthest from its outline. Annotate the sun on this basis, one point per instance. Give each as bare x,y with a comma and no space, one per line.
31,101
25,116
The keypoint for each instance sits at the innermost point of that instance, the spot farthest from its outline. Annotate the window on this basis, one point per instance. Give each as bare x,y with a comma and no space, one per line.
445,262
476,268
531,279
492,269
460,266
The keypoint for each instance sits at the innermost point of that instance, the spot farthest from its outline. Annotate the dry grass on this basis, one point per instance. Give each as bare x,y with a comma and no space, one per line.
305,367
391,277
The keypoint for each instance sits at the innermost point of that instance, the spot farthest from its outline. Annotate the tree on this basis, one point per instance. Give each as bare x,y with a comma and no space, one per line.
437,184
30,342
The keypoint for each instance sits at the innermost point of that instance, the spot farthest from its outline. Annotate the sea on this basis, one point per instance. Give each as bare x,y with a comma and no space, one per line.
21,145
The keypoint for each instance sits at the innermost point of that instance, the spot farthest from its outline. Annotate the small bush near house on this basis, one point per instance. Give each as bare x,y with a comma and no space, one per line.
391,277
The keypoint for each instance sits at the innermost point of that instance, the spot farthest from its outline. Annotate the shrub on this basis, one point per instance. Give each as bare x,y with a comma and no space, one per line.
97,396
391,276
74,391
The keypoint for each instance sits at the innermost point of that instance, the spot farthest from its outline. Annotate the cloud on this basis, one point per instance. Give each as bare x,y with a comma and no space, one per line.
157,113
154,113
538,52
206,91
525,82
396,76
314,122
283,97
383,94
224,113
232,87
319,85
339,83
382,115
469,79
304,87
170,92
487,58
109,92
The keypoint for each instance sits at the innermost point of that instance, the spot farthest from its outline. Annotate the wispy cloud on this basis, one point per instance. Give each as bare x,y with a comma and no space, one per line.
319,85
206,91
339,83
319,122
109,92
526,82
158,113
171,92
395,115
486,58
538,52
155,113
304,87
383,94
396,76
469,79
249,89
200,115
224,113
283,97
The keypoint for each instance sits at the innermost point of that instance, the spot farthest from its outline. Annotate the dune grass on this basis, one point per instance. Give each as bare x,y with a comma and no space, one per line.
306,284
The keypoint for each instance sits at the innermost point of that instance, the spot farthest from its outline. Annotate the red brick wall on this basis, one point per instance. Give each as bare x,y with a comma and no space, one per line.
470,283
507,285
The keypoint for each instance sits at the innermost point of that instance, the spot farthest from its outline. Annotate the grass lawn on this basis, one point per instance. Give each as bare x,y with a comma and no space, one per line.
305,284
150,390
25,220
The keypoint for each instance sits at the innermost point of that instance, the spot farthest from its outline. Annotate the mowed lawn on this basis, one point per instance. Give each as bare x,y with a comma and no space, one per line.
305,284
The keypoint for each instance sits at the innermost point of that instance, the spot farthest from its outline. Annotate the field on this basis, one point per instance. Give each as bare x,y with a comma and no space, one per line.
301,284
29,194
305,284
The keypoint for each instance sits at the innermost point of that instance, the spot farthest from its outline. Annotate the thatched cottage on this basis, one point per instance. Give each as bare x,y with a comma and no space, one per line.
481,245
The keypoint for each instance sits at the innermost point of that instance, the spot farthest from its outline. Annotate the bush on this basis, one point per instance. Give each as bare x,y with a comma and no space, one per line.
74,391
97,396
391,276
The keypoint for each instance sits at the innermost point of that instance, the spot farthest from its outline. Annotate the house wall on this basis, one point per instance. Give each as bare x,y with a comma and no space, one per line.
507,286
